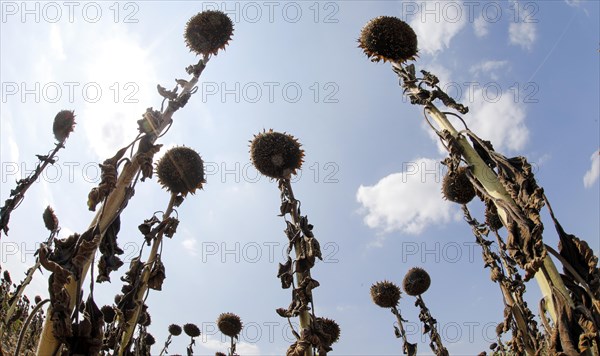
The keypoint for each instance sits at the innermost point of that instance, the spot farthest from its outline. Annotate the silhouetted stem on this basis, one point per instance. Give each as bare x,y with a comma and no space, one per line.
112,207
145,276
22,286
426,318
167,343
13,202
396,312
305,319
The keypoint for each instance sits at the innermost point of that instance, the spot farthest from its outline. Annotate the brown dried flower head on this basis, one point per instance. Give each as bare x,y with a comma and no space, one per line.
457,187
208,32
388,38
174,329
492,219
416,281
385,294
145,319
191,330
331,328
181,170
229,324
37,299
149,339
50,219
64,122
6,277
276,155
220,354
108,314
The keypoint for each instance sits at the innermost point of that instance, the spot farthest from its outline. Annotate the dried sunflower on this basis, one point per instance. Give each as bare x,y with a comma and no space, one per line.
388,38
208,32
276,155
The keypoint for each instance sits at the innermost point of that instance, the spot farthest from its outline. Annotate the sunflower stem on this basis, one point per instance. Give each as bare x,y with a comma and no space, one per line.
110,210
305,318
547,276
143,287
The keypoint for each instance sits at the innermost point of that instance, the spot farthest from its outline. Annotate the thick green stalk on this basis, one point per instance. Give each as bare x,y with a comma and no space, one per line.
548,275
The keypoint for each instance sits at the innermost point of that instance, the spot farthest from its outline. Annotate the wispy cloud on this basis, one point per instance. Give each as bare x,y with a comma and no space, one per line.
191,246
56,43
489,68
591,176
480,25
436,28
523,31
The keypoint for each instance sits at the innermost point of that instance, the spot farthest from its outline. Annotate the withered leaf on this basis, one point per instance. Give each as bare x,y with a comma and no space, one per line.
170,226
410,349
285,274
284,313
157,276
286,208
109,261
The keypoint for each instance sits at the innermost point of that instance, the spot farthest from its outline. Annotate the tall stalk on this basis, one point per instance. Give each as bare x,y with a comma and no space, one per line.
508,186
116,188
278,156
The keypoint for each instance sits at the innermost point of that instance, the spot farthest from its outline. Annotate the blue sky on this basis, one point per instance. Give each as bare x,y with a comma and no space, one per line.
528,71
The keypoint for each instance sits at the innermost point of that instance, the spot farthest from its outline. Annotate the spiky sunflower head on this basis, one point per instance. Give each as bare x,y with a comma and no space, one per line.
174,329
108,313
145,319
149,339
385,294
229,324
457,187
6,277
388,38
330,328
181,170
208,32
416,281
64,123
492,219
276,155
191,330
50,219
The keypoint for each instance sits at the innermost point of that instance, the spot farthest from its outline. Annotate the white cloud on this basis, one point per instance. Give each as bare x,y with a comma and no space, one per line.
191,246
591,176
488,67
56,42
573,2
523,32
241,348
120,78
8,144
480,25
437,23
495,116
406,201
